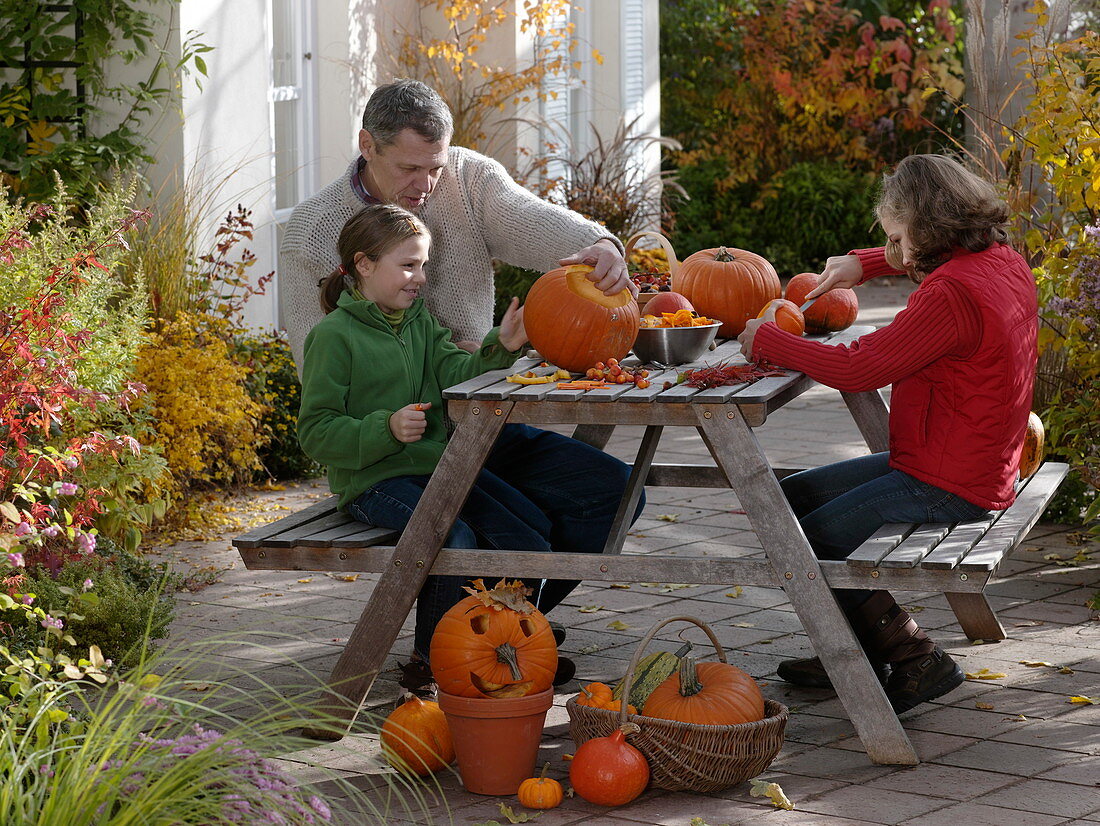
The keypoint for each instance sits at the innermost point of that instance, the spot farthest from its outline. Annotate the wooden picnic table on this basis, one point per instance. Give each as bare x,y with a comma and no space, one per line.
725,418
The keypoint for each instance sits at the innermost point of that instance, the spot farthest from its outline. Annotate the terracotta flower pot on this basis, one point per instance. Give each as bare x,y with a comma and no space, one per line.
496,740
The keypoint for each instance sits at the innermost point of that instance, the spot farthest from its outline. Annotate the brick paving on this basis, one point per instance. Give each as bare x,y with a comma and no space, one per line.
1002,751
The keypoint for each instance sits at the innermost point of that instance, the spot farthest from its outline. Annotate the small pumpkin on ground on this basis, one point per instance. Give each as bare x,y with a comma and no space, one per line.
787,316
608,771
835,310
540,792
1032,454
573,324
415,737
707,694
494,643
727,284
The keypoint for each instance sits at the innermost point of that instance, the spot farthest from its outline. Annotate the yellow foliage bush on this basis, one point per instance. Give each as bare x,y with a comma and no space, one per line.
207,426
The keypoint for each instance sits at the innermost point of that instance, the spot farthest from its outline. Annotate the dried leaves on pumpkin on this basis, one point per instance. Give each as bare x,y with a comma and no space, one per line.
503,595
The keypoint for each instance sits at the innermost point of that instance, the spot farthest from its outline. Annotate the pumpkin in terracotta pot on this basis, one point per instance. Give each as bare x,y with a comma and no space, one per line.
835,310
787,316
1031,455
727,284
415,737
573,325
494,643
708,694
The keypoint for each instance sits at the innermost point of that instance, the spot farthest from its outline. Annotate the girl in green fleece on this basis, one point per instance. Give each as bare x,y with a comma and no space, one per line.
372,412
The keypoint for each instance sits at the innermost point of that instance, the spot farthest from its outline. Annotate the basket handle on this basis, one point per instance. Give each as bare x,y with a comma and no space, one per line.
673,263
628,680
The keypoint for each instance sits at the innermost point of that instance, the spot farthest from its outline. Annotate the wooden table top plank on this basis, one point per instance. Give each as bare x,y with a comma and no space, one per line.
657,379
956,545
464,389
915,547
880,543
607,394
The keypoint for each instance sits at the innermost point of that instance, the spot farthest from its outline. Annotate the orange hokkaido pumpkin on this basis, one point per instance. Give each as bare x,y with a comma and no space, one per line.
608,771
708,694
1032,453
727,284
833,311
787,316
540,792
573,325
494,643
415,737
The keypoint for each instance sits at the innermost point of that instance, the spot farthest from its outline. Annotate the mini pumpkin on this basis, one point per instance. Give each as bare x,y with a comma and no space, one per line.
608,771
787,316
707,694
601,695
540,792
415,737
494,643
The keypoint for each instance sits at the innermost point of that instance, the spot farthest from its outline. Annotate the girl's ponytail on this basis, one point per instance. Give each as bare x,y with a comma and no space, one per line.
332,285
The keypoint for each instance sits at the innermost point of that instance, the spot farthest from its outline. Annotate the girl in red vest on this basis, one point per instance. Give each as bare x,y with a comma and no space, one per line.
961,361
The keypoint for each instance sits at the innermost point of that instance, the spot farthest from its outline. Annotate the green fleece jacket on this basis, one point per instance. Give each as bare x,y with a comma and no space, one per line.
358,370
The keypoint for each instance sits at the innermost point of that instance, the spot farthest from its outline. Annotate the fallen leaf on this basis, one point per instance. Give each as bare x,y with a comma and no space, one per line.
913,609
197,686
986,706
1065,669
669,517
591,649
567,757
1017,718
772,791
343,577
621,585
1088,701
617,625
977,642
307,579
590,609
507,812
985,674
743,625
1036,663
667,587
736,592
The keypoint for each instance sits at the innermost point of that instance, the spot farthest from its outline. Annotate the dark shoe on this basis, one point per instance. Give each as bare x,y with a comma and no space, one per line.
809,672
559,632
917,681
566,670
416,678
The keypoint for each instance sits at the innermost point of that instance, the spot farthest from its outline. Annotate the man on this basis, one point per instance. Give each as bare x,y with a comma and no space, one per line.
473,208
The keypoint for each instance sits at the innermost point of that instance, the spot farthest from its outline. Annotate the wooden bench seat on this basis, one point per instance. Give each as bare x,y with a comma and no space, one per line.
958,560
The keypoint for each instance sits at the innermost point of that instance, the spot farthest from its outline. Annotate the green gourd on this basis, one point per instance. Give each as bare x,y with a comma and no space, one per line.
652,670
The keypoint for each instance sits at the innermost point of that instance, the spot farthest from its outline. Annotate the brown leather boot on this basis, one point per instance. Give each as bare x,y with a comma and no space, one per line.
810,673
920,670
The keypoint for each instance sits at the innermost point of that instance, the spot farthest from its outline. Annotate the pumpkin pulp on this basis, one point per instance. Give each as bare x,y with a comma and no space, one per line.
576,278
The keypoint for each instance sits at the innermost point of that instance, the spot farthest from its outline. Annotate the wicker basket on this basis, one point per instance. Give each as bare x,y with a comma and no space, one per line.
686,755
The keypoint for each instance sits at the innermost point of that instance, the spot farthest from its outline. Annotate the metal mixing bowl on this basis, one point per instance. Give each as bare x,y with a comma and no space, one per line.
668,346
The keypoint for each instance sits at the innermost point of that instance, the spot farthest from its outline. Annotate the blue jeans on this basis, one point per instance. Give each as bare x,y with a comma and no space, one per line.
538,491
841,505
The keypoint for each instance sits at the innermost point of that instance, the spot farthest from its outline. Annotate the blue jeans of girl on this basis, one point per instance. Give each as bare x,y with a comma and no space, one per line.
538,491
841,505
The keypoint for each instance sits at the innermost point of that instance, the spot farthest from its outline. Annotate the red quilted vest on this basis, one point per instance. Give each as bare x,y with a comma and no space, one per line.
959,423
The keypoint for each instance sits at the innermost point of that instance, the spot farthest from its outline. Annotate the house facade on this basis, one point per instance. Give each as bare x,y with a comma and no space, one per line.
277,114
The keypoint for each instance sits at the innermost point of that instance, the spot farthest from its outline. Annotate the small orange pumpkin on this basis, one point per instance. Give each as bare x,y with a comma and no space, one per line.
727,284
573,325
1031,455
608,771
600,695
494,643
787,316
832,311
540,792
707,694
415,737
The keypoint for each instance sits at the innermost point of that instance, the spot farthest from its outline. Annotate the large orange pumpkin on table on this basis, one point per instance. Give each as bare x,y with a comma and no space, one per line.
833,311
494,643
728,284
573,324
708,694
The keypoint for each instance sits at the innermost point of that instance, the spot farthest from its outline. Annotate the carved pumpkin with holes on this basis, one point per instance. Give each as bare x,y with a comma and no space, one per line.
494,643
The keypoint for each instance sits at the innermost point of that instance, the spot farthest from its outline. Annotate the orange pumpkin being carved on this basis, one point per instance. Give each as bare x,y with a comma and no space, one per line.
709,694
494,643
787,316
1033,449
727,284
573,325
833,311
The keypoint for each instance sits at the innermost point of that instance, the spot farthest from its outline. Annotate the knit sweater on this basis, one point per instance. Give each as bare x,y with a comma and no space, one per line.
961,359
359,370
477,213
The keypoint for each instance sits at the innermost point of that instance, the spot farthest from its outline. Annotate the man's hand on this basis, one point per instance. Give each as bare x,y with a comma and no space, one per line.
840,271
409,422
748,335
608,267
512,333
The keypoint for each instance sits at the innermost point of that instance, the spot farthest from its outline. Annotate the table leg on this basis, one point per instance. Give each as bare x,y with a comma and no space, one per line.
975,616
872,417
596,435
737,451
412,559
634,487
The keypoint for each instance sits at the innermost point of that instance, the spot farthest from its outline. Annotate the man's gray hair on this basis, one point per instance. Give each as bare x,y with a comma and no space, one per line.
407,104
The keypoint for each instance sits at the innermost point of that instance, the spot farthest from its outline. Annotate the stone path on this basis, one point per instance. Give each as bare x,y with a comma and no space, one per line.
1000,751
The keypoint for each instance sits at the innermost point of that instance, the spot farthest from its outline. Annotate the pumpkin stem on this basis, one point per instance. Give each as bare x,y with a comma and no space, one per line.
506,653
545,769
689,679
723,255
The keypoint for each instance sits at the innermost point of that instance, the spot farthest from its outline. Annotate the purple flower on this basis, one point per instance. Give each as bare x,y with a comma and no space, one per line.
52,622
16,560
51,531
88,585
45,770
23,528
67,488
71,463
26,599
85,542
